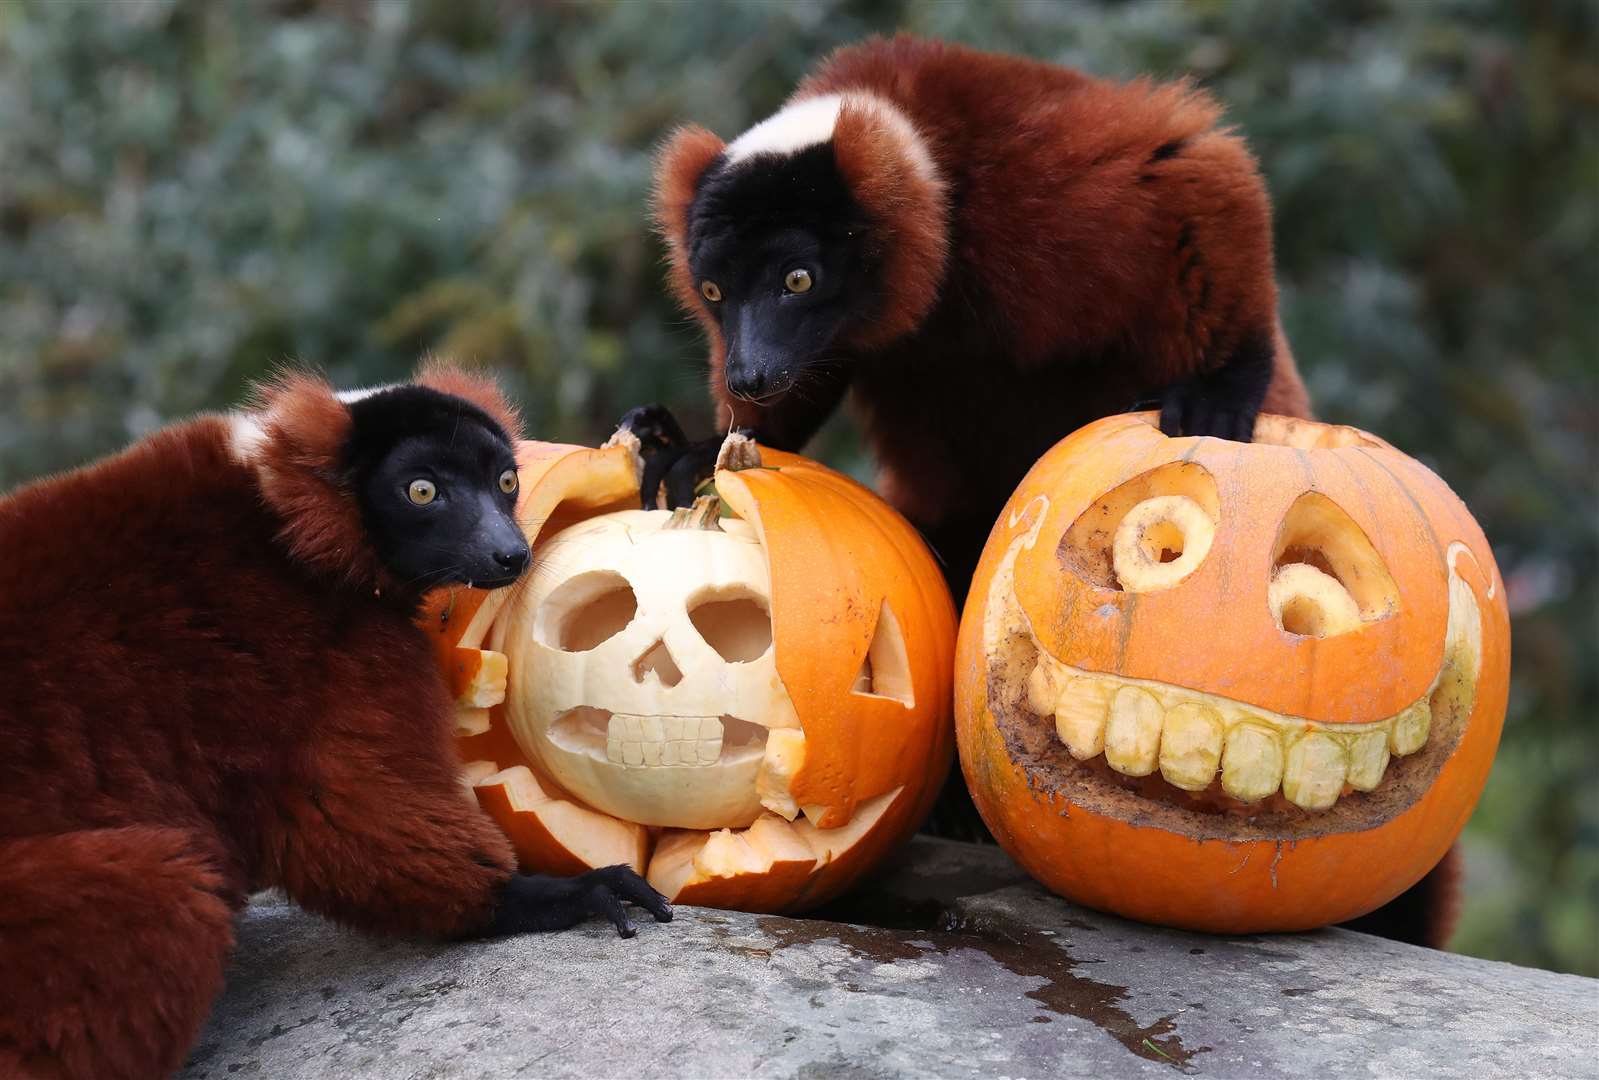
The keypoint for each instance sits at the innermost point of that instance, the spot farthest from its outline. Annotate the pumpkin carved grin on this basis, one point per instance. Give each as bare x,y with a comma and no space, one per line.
644,742
1139,725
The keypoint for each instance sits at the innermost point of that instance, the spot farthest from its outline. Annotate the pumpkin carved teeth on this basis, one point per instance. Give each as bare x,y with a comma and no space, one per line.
1139,725
657,741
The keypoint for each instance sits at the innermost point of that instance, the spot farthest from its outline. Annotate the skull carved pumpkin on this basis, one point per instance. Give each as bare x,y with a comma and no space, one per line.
1231,687
747,701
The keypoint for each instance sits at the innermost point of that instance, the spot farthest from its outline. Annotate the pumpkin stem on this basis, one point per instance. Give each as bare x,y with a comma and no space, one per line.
738,452
702,515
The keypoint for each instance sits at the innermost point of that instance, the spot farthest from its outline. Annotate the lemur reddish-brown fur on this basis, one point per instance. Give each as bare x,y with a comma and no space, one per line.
997,252
1077,244
212,685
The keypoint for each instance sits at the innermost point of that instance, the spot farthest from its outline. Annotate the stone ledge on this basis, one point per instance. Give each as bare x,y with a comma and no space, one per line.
1016,983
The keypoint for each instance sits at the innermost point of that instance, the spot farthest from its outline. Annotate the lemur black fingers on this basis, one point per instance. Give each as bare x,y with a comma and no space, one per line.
656,466
1222,403
623,880
695,465
1190,409
535,903
670,459
655,426
605,902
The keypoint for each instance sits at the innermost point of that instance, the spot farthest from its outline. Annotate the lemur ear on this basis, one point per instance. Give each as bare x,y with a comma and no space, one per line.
446,377
679,166
891,173
294,437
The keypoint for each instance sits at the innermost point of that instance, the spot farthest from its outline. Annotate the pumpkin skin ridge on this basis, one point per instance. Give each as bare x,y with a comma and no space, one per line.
1151,867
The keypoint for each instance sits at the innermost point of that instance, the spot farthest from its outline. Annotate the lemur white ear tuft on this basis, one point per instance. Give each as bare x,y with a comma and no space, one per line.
892,173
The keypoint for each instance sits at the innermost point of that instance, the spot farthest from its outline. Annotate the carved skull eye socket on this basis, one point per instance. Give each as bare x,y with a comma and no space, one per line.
1147,534
734,623
585,612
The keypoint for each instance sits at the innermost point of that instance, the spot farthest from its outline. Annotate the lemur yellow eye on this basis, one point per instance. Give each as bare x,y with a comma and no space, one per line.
508,481
421,492
711,291
798,280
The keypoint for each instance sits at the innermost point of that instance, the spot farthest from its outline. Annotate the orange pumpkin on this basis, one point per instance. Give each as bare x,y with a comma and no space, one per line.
1229,687
750,707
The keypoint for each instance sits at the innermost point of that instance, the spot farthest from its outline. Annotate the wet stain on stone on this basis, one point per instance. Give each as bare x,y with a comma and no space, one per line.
719,927
1022,951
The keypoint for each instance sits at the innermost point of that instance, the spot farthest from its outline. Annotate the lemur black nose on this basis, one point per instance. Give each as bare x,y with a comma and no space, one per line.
748,382
513,562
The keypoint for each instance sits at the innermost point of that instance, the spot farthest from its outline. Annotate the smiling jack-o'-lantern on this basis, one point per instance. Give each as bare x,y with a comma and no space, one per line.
1231,687
746,700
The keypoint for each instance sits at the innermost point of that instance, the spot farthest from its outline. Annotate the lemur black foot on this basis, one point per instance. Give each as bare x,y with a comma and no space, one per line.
534,903
1224,402
674,467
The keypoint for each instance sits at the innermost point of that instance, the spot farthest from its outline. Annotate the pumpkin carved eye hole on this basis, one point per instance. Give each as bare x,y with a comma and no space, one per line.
735,624
1327,578
1149,533
585,612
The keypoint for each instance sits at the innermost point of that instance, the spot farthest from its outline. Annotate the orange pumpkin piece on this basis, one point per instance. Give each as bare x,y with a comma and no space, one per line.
748,701
1229,687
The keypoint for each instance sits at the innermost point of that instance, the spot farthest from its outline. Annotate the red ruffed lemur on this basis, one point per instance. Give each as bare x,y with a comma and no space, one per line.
985,253
213,685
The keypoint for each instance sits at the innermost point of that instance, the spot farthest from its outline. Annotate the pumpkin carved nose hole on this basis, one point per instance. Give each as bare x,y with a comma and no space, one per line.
886,669
736,626
657,660
585,612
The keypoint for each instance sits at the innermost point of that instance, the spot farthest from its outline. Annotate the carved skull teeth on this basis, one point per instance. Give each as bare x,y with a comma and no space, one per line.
644,741
1140,726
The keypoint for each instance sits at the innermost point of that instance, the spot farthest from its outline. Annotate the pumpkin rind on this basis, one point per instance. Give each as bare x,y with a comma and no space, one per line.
1209,871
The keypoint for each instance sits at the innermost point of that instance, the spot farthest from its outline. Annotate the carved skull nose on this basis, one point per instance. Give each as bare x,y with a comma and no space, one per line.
657,660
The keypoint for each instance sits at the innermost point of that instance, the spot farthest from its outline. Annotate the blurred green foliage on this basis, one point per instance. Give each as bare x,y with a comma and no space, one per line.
191,193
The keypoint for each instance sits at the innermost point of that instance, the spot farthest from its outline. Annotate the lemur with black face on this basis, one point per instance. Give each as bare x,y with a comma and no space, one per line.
213,685
986,253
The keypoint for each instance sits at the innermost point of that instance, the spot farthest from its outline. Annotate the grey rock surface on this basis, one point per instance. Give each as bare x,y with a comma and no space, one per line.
971,971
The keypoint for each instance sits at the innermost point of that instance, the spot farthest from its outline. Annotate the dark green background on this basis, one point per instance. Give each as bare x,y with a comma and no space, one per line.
192,193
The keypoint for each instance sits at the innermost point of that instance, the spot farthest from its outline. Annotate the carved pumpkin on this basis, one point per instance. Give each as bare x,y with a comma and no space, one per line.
747,701
1231,687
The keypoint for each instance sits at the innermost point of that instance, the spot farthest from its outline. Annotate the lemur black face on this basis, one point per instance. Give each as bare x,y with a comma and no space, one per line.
436,481
778,250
